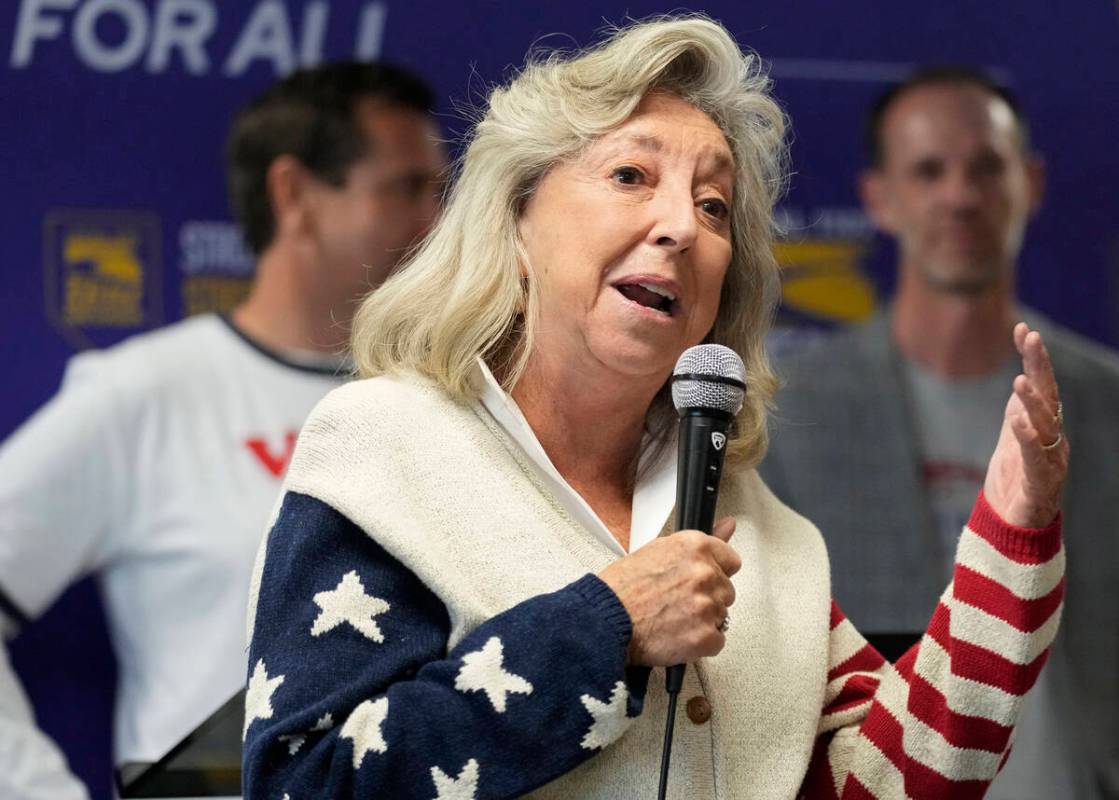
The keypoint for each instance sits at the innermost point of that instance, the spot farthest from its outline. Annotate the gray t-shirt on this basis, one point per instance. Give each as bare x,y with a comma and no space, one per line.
957,425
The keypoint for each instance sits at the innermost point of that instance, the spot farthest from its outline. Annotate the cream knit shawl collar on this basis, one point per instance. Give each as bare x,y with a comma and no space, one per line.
443,489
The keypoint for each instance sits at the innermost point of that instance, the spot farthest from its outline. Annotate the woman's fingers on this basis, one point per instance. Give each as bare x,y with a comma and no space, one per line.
1041,415
1029,440
1036,363
725,594
726,557
1028,467
1043,476
1037,389
724,528
677,590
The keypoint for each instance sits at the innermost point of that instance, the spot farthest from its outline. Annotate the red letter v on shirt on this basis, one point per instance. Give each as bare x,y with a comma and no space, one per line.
274,464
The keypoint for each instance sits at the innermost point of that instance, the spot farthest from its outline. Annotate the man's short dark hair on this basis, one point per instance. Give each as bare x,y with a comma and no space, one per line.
310,115
953,75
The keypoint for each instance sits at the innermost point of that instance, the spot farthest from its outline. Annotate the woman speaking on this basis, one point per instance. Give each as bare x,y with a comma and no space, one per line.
468,576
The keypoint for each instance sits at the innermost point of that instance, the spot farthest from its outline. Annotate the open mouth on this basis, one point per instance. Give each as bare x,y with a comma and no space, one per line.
651,296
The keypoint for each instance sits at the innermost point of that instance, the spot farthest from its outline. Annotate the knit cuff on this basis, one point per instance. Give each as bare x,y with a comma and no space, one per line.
601,597
1035,545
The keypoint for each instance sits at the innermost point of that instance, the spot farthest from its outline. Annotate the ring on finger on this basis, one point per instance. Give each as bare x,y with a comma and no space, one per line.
1054,443
1059,417
724,626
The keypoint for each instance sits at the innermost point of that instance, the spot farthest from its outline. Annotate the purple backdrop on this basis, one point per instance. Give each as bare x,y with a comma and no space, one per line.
115,213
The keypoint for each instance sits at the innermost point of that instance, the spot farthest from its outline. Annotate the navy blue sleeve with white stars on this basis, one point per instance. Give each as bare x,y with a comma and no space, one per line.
352,692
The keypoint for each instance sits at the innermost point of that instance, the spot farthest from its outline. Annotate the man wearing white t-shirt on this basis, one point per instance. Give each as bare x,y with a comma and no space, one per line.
157,463
885,428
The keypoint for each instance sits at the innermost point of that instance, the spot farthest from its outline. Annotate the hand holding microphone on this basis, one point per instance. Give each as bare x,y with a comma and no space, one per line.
677,589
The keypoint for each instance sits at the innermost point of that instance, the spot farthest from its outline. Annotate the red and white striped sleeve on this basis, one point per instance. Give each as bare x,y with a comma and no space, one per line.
938,723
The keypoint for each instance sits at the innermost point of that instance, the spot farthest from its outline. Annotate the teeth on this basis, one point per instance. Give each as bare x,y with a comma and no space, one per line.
658,290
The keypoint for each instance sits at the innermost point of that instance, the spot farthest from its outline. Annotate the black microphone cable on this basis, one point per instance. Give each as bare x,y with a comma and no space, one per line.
708,388
669,727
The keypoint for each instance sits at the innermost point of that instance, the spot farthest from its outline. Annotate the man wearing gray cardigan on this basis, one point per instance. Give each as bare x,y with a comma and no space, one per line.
882,431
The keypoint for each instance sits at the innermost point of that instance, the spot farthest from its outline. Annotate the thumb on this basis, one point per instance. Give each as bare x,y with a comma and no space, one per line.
724,528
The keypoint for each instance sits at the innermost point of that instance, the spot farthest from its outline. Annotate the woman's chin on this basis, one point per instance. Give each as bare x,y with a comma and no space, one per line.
640,358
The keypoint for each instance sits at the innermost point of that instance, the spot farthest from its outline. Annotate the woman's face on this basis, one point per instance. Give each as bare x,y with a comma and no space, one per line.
629,243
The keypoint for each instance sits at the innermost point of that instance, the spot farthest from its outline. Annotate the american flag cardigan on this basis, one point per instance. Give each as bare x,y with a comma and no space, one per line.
369,677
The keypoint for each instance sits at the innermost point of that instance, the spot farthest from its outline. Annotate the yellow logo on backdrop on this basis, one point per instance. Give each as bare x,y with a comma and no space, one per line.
821,280
102,271
104,281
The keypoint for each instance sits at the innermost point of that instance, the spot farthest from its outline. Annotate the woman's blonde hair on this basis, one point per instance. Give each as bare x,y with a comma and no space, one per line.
461,295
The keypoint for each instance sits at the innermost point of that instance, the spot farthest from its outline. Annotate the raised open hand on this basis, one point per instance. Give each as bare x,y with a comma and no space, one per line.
1028,468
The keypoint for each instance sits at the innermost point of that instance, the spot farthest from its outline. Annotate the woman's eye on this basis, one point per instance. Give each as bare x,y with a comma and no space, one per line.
629,176
715,208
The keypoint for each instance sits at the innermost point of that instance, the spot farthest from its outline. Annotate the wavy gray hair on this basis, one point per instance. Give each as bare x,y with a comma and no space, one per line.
461,294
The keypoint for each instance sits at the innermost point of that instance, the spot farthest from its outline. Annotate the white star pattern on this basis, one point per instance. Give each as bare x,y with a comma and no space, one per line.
325,723
464,787
610,720
364,728
295,741
348,602
258,697
482,671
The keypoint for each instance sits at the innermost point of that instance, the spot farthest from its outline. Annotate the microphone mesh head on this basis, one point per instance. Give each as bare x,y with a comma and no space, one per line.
710,364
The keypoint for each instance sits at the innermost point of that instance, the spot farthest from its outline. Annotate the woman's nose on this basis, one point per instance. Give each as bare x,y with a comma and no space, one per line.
675,226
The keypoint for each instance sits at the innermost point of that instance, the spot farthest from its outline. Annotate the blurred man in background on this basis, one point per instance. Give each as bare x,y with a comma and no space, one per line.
156,465
893,419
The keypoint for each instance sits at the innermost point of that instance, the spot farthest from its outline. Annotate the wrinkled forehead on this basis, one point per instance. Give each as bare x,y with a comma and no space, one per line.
949,117
665,124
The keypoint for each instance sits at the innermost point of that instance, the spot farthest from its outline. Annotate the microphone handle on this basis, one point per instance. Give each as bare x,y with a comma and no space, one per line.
702,448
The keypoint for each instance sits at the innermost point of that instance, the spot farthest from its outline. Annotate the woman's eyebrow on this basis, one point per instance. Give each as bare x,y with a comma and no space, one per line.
644,141
613,144
719,158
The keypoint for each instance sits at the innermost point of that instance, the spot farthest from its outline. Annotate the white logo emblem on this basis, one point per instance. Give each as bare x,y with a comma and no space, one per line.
718,439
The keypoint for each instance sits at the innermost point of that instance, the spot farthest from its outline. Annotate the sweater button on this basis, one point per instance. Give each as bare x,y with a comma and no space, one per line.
699,709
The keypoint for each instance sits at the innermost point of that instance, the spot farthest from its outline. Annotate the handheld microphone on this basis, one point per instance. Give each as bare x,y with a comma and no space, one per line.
708,389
